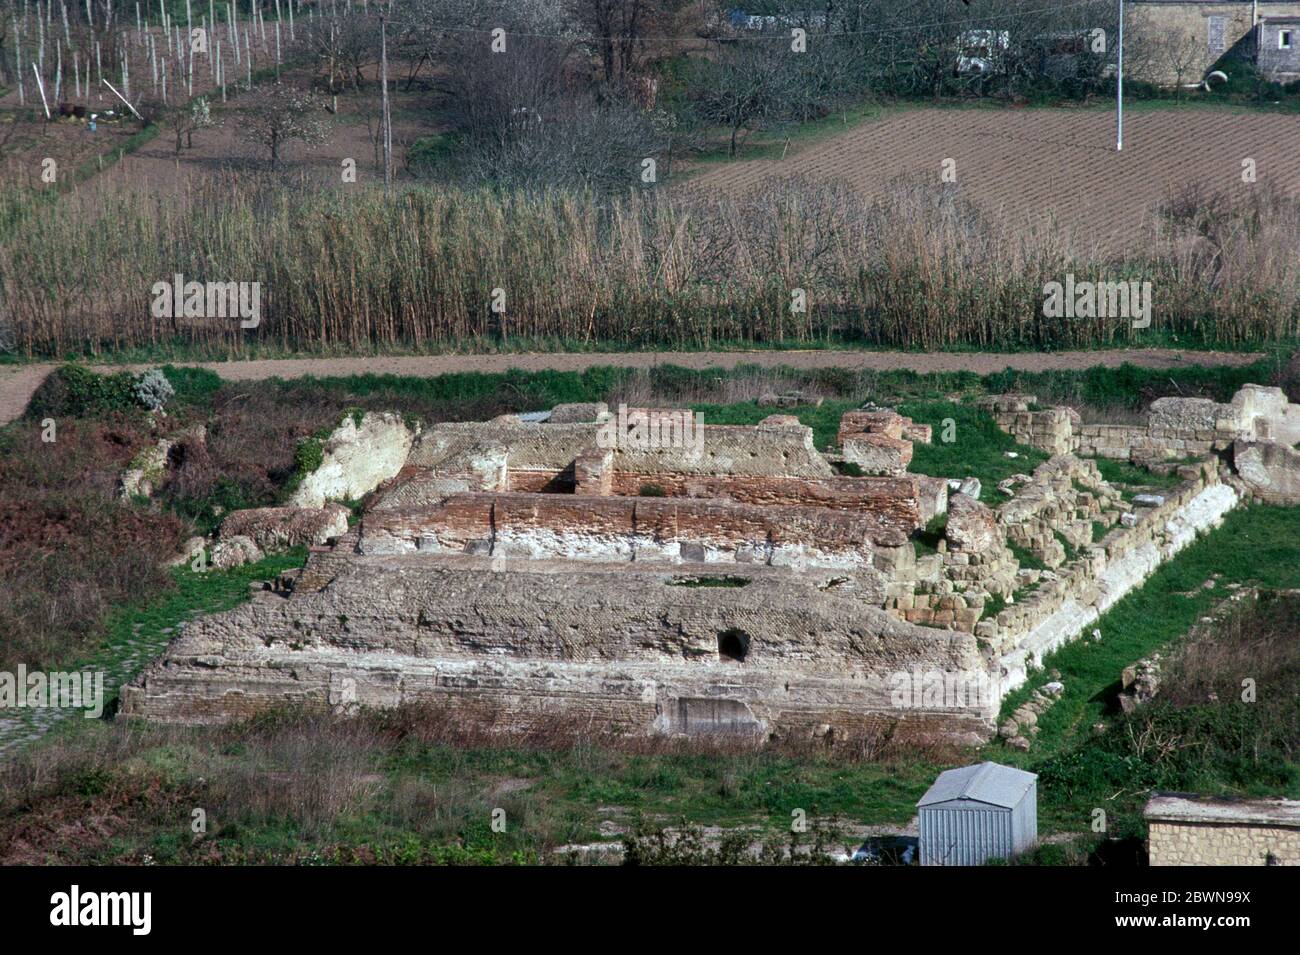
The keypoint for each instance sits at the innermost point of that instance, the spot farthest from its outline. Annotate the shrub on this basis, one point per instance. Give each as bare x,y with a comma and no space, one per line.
308,456
76,392
153,390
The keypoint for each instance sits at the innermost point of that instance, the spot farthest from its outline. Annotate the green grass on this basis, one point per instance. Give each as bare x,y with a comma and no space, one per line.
1255,546
977,448
138,633
1123,472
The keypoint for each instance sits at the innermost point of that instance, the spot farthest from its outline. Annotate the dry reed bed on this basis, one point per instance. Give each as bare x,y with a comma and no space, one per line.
915,268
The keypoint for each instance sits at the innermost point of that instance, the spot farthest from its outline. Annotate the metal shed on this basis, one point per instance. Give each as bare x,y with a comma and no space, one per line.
977,813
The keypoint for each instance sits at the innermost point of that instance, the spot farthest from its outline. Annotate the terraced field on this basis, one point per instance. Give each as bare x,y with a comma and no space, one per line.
1048,166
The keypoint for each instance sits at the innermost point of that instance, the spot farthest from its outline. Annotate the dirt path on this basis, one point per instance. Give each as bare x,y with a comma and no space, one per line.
17,383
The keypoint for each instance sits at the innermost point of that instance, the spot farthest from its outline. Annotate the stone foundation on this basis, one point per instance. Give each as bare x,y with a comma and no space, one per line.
733,584
1197,830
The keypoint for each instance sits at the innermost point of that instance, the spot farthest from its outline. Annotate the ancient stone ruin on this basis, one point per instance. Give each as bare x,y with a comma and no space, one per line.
646,573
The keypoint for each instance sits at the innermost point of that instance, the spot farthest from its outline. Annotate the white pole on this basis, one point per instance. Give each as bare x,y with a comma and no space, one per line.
41,86
122,98
1119,87
383,78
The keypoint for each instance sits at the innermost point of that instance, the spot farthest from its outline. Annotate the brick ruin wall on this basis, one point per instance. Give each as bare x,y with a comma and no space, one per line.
629,528
524,565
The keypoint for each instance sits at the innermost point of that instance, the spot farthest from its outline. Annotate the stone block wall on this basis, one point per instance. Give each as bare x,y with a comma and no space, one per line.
1069,600
1049,429
1180,843
1279,63
1196,830
1175,427
639,648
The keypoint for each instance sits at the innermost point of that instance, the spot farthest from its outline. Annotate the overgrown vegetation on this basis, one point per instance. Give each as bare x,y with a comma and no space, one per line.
1091,756
913,268
419,786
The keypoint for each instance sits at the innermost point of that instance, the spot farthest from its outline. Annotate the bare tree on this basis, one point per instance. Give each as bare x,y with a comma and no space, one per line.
743,89
521,122
618,29
282,115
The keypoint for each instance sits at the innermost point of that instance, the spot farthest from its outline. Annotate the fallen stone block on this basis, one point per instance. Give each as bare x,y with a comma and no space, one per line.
234,552
280,528
972,526
1272,471
878,454
356,459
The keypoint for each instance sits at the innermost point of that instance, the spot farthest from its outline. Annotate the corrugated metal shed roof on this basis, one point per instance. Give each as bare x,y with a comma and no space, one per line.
989,783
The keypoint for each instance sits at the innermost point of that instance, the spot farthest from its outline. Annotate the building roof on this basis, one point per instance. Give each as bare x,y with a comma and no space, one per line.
990,783
1206,3
1190,807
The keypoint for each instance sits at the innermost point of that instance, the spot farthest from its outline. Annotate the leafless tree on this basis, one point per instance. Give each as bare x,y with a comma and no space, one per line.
617,31
282,115
522,121
744,88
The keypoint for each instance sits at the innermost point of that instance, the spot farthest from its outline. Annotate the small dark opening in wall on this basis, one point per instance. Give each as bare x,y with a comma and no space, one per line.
733,645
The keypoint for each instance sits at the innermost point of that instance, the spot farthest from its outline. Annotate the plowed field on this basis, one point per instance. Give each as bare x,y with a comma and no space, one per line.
1047,165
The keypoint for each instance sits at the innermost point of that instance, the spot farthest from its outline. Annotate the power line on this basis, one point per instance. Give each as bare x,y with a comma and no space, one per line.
578,38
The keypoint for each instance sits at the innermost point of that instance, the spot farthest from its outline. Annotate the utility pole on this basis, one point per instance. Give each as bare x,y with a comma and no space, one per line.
387,129
1119,86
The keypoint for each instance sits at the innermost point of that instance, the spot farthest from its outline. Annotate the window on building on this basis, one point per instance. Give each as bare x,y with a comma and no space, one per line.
1284,39
1218,33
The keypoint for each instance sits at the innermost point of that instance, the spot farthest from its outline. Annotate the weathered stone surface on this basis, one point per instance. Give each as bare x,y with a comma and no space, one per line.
878,454
917,433
357,459
1175,427
876,421
781,421
933,496
1201,830
537,637
626,529
280,528
1271,470
593,473
148,471
578,412
1139,683
234,551
540,453
972,526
